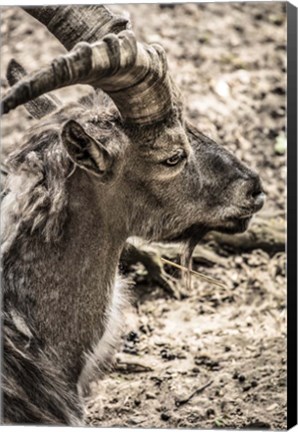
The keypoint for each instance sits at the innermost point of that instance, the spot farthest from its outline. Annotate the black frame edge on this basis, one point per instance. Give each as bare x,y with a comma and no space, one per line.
292,216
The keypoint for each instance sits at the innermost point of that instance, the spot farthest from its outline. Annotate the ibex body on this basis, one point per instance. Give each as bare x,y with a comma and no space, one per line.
85,180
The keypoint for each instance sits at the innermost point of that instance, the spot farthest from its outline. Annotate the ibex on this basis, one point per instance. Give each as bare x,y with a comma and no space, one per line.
85,179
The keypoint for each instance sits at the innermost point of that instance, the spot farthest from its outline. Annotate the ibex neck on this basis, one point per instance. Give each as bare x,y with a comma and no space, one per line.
91,230
67,285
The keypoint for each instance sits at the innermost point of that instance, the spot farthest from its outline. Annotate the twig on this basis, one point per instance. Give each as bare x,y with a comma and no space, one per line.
198,274
132,367
180,402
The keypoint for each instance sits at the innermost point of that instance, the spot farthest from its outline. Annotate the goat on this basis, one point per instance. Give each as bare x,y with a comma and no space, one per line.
85,179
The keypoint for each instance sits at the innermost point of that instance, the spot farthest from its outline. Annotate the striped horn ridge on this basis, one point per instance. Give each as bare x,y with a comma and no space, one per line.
134,75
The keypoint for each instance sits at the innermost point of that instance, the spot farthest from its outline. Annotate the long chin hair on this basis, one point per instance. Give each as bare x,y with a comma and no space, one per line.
193,237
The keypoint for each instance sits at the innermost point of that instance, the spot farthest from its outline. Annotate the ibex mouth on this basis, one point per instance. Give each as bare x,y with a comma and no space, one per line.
239,223
245,216
194,233
236,225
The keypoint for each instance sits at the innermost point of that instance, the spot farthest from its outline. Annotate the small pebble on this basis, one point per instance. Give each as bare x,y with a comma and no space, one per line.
150,395
165,354
165,416
132,336
241,378
210,412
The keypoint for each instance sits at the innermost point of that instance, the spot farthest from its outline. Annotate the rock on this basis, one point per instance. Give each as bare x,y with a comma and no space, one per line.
165,417
241,378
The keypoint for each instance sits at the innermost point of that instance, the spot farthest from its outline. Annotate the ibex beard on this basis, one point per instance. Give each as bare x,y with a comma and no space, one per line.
87,178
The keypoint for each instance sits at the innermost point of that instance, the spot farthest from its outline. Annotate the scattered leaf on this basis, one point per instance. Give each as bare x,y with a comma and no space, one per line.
281,144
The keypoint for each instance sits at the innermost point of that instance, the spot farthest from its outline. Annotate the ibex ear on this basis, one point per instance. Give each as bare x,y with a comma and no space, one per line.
87,153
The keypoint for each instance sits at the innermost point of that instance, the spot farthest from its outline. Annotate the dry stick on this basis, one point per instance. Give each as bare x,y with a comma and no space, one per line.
132,367
198,274
180,402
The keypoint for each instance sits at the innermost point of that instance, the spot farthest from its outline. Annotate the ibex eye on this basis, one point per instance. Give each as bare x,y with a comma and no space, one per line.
176,158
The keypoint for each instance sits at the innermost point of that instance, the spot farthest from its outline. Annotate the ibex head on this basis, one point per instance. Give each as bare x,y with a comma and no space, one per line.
167,180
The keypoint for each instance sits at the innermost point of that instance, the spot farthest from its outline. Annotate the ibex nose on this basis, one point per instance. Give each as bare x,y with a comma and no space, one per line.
255,193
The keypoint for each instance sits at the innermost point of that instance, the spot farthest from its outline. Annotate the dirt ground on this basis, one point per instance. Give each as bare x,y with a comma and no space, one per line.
225,347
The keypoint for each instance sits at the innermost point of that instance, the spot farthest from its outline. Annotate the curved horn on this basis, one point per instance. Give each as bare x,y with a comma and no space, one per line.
139,82
39,107
73,24
134,75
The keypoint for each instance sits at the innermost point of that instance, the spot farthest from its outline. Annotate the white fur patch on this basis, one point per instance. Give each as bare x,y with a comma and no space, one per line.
20,324
101,355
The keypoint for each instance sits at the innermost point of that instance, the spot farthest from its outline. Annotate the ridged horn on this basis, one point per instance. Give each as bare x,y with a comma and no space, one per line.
134,75
74,24
38,108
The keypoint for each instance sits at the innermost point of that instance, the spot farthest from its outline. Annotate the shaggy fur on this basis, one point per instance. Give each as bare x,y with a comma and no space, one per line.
40,173
34,389
37,387
98,360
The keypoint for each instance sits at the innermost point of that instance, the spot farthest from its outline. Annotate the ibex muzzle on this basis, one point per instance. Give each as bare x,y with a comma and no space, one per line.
229,192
